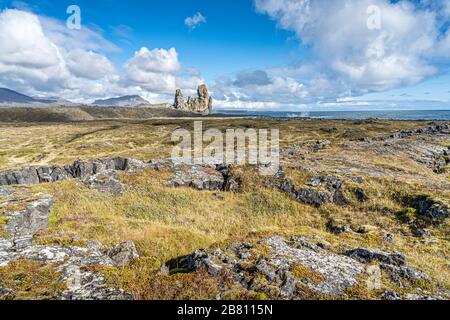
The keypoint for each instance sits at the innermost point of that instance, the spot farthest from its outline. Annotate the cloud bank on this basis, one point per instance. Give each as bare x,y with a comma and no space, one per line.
346,58
40,56
350,59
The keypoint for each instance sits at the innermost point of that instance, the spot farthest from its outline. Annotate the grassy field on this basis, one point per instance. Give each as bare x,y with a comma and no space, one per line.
167,223
60,143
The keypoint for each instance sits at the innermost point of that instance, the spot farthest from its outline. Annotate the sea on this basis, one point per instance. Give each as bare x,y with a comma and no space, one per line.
426,115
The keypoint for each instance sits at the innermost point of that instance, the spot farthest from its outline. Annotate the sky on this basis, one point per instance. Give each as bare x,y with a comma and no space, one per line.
252,54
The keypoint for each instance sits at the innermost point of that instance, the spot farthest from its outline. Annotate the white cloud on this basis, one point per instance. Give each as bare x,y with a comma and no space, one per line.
194,21
89,65
87,38
154,70
23,43
348,58
156,60
399,54
40,56
27,57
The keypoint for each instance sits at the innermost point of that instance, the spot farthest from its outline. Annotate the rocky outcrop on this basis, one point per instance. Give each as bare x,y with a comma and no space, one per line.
26,214
317,192
78,170
202,104
295,268
107,181
432,129
72,263
338,226
280,268
26,222
179,101
123,254
423,149
395,264
432,211
203,177
198,177
101,175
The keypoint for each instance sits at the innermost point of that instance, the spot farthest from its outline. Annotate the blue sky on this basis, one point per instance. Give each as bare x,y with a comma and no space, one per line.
234,37
269,54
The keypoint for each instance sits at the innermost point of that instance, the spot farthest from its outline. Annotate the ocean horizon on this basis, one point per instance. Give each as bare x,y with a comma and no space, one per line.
425,115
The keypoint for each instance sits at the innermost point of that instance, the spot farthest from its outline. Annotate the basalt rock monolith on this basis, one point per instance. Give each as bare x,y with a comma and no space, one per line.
202,104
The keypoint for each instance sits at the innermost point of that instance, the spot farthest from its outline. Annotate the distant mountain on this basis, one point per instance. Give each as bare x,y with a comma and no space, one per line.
15,99
126,101
12,97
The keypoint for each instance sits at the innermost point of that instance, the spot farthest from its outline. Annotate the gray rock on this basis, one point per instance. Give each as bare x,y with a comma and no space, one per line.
368,255
6,191
338,227
314,197
123,254
4,292
79,169
416,297
93,287
288,287
179,100
263,267
203,104
72,262
433,211
338,272
105,181
395,264
53,174
6,245
30,220
330,191
391,295
24,176
22,242
198,177
319,145
433,129
200,260
420,233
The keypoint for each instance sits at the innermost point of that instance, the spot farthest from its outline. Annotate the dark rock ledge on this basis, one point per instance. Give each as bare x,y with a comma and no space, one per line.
100,174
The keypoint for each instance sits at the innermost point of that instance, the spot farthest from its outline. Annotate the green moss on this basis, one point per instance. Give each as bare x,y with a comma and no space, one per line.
409,214
31,280
306,274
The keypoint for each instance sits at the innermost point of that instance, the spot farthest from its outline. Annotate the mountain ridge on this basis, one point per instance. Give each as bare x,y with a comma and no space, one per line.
128,100
14,98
